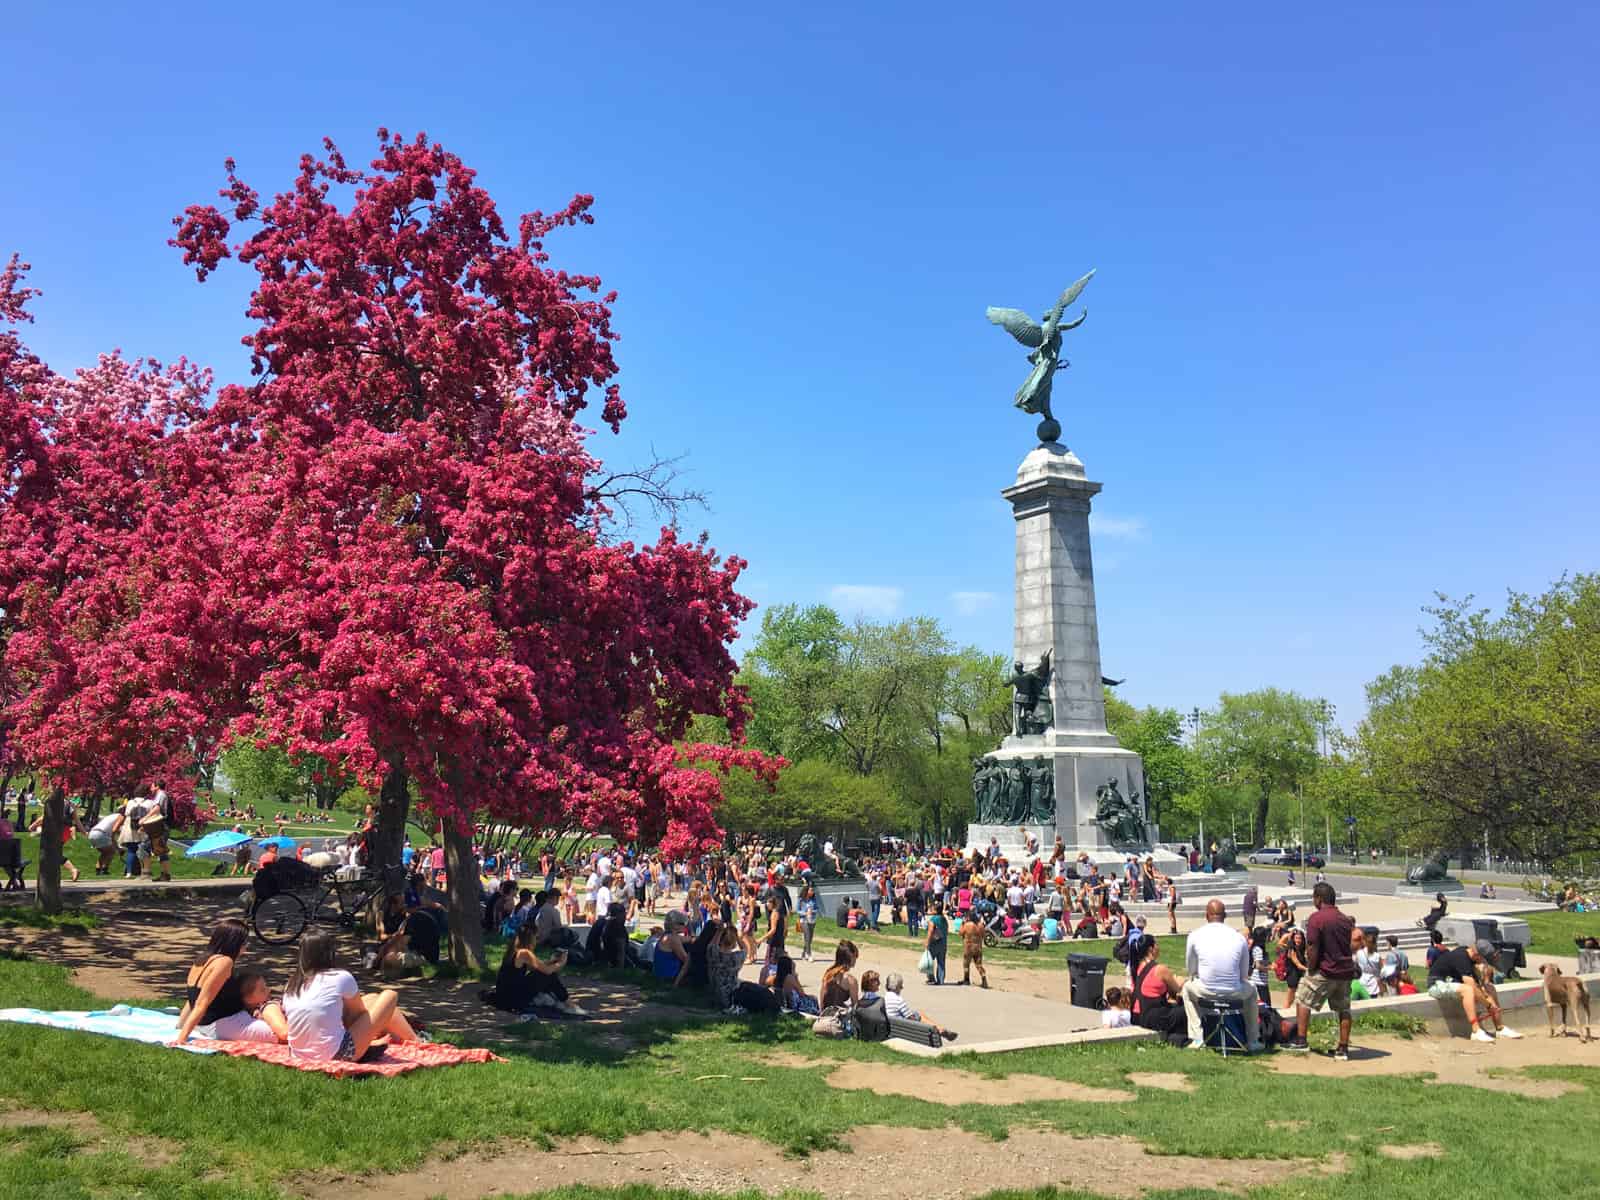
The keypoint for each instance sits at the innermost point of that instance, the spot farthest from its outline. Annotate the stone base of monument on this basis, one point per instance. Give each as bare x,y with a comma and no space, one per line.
830,893
1079,766
1427,891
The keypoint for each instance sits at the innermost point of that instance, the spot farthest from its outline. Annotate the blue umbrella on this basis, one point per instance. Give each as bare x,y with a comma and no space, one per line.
282,843
220,844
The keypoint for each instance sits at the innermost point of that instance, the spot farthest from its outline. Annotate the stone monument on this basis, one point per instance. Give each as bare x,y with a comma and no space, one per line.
1061,771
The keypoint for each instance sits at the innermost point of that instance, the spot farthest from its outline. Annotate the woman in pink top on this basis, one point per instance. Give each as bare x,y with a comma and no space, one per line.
964,901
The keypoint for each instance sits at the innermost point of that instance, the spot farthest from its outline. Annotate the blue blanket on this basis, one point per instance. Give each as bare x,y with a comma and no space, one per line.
122,1021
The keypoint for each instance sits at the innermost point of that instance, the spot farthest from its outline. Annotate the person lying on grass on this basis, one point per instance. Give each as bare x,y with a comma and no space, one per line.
329,1018
224,1003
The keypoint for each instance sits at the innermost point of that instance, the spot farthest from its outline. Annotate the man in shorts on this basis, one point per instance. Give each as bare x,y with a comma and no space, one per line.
972,933
1465,974
1330,967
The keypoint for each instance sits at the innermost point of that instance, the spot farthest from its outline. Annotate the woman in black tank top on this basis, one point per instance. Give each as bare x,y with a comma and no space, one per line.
213,993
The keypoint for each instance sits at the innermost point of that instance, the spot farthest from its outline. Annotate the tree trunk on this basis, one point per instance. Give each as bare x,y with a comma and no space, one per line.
1261,815
465,898
47,887
394,802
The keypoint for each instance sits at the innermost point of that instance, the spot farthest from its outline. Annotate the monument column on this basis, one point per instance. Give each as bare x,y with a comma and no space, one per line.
1055,603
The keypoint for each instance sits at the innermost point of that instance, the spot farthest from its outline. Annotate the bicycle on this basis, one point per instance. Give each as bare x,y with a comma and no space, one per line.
281,915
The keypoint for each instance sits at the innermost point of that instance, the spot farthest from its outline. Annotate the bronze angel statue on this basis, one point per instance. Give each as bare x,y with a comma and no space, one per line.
1044,339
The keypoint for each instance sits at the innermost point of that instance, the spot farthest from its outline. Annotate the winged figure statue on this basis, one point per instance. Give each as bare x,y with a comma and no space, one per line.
1043,338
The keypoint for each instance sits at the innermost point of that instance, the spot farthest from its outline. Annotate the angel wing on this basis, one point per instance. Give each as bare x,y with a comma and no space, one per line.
1018,324
1053,317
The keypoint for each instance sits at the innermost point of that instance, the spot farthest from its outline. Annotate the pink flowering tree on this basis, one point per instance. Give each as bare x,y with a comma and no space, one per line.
414,529
108,678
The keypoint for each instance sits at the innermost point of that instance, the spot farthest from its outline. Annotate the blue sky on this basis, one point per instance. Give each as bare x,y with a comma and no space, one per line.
1341,349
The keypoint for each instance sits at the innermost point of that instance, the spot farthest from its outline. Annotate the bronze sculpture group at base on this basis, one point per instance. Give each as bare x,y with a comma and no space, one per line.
1119,816
1014,791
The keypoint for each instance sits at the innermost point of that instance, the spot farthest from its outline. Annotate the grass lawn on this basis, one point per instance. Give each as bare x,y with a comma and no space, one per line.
1552,932
239,1130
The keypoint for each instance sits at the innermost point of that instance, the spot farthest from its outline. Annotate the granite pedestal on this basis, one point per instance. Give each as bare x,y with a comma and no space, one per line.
1056,614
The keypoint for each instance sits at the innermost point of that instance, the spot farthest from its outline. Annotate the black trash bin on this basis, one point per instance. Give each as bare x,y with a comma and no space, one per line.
1509,956
1087,976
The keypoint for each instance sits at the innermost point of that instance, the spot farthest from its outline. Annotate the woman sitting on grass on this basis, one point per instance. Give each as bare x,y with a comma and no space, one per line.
527,981
329,1018
223,1003
839,986
1155,995
791,995
670,961
724,957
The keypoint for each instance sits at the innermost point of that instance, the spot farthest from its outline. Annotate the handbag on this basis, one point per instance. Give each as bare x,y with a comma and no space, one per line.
835,1022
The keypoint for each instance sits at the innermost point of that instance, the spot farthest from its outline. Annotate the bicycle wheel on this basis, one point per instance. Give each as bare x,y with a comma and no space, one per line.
279,919
329,908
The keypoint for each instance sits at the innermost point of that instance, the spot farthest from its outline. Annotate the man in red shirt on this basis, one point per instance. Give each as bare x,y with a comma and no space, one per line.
1329,969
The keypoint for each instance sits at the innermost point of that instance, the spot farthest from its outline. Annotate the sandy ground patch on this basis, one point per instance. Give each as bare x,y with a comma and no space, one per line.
1166,1081
945,1164
1420,1150
88,1127
1454,1060
950,1087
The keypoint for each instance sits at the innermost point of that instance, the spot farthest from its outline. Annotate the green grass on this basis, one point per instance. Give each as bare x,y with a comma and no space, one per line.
26,914
563,1080
1552,932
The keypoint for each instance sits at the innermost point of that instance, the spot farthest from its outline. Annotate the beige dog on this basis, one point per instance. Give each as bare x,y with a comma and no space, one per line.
1569,994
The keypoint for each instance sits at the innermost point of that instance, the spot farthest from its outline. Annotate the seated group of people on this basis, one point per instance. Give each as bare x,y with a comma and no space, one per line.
1225,967
321,1015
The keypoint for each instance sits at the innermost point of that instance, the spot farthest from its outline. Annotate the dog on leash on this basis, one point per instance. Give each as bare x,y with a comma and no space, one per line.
1569,994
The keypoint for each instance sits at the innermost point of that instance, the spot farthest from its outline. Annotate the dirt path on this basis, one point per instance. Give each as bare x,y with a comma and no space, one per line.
1455,1061
947,1164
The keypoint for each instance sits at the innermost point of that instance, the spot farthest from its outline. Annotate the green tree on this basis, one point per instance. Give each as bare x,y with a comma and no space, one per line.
1494,733
1266,739
1156,735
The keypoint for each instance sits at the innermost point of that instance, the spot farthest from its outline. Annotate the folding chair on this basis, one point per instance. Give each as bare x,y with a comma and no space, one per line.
1222,1025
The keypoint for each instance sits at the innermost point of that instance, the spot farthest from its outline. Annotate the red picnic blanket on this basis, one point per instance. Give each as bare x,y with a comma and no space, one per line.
396,1059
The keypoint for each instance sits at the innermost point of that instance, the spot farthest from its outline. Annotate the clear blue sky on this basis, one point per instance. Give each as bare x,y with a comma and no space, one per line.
1341,349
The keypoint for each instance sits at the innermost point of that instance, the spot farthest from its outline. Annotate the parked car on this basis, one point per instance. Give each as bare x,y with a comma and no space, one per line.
1298,858
1268,856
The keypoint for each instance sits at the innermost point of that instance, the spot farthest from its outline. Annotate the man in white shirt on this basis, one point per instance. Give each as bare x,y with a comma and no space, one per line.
602,901
1217,960
1014,899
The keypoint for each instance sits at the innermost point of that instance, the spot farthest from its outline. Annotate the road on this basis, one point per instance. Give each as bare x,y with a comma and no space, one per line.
1364,885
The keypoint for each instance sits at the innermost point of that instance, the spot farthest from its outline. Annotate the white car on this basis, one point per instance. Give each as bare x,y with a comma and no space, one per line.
1267,856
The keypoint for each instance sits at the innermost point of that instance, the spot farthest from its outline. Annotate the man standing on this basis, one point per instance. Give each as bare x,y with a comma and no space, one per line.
972,935
1218,966
1329,970
159,831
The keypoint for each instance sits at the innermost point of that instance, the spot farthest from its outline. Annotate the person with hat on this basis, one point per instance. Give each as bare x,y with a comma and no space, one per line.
1465,972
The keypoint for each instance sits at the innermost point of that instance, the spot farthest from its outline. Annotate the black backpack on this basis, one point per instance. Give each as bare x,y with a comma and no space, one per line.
872,1020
